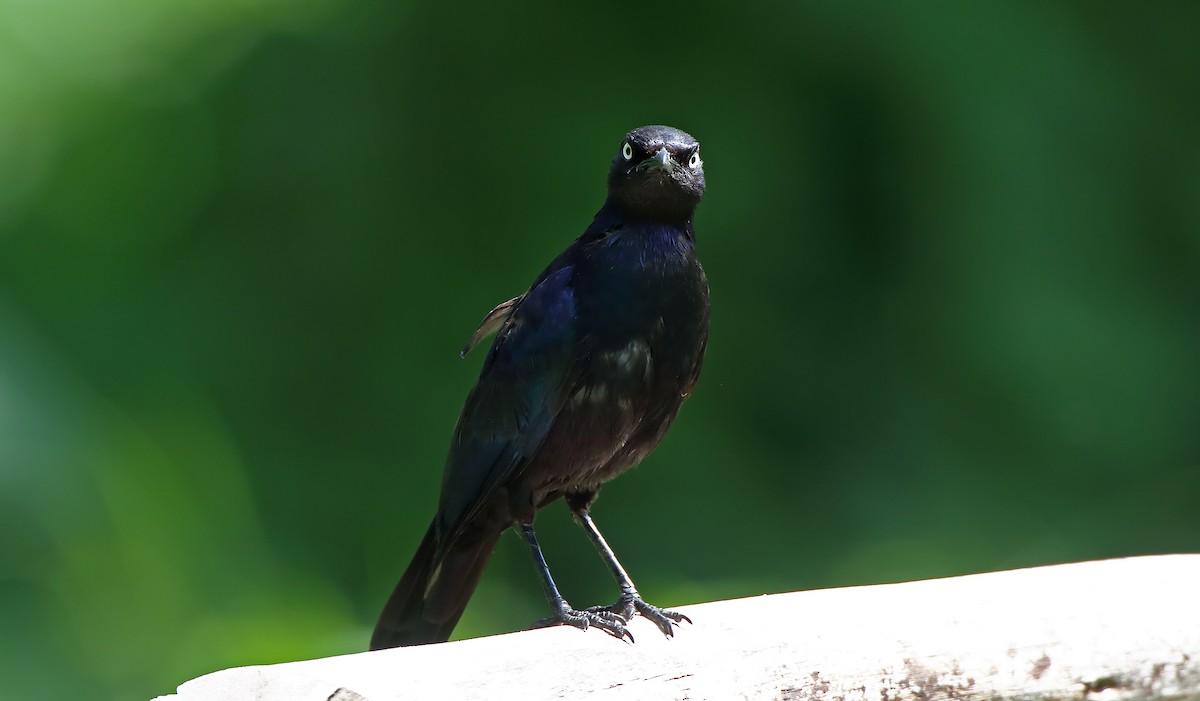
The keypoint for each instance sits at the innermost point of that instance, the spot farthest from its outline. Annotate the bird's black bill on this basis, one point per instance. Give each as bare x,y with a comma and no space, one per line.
661,160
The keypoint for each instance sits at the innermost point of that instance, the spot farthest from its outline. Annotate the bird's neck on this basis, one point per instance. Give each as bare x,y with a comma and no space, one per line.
655,222
641,244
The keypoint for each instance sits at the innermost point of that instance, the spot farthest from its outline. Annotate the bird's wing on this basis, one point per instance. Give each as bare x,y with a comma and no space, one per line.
518,396
492,323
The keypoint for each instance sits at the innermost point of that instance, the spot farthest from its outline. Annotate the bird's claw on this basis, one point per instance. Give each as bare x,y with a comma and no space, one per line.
604,619
664,619
630,605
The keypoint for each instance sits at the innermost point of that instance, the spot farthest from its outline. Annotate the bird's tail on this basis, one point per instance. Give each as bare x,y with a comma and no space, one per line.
432,594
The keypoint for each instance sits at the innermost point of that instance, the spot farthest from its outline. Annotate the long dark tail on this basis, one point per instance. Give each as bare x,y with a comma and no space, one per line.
432,594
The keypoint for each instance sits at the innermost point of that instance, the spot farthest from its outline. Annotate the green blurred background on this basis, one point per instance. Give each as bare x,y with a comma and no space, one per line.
953,247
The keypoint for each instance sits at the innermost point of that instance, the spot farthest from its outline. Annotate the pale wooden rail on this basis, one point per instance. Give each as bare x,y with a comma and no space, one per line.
1102,631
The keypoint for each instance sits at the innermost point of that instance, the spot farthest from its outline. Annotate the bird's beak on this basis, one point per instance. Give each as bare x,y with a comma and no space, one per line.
661,160
664,161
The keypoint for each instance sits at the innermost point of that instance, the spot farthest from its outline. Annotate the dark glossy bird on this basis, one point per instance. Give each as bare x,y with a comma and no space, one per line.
588,370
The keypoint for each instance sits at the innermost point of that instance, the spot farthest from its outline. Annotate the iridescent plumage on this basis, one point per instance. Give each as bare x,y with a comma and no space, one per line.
588,370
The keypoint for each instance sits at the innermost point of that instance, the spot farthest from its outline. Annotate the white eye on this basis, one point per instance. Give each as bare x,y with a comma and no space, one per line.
627,151
694,160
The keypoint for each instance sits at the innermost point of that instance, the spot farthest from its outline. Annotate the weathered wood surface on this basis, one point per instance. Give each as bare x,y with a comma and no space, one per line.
1103,631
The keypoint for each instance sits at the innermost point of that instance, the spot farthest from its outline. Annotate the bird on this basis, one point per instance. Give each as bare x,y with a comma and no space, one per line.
588,370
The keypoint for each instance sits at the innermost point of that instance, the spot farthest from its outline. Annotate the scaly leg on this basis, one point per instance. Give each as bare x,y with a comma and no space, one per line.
630,602
563,614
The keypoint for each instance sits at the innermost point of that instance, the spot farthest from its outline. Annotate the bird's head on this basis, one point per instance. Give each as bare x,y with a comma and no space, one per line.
657,173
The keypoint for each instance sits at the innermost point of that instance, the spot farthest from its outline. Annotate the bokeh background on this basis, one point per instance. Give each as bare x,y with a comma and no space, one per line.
954,251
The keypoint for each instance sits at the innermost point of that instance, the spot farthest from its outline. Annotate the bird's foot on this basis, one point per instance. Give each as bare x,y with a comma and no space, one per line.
602,618
630,605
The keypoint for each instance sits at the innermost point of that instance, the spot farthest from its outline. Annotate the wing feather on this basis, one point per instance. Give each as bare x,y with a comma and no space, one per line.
520,392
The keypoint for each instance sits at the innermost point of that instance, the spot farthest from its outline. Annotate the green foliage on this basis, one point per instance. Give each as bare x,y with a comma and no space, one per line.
954,260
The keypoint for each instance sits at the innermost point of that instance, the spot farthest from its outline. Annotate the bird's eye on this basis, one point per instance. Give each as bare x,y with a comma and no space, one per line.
627,151
695,159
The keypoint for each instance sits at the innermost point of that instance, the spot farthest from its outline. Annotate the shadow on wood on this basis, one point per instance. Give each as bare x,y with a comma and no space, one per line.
1117,629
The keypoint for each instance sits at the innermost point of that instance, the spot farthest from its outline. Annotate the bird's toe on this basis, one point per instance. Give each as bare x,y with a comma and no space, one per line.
664,619
605,620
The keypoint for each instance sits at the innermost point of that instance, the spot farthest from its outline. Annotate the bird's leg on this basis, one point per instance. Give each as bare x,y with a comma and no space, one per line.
630,602
563,614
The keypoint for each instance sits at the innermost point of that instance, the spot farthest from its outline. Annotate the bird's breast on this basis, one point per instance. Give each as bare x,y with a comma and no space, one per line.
644,305
642,283
616,377
641,307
